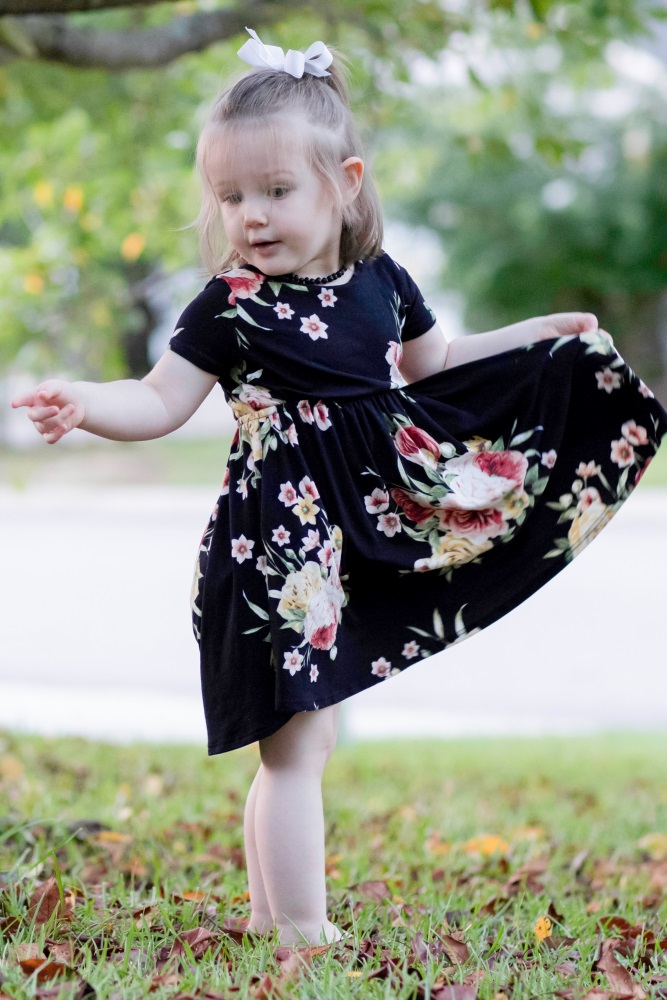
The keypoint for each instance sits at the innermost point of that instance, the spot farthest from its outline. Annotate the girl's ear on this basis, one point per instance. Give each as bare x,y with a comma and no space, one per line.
353,171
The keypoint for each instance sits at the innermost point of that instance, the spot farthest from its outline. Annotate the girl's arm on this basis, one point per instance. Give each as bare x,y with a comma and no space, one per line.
126,410
430,353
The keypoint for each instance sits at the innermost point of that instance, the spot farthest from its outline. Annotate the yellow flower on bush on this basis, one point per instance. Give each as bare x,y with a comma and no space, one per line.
33,284
73,199
133,246
43,194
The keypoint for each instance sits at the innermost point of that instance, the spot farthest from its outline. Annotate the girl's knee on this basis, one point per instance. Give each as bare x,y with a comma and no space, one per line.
307,740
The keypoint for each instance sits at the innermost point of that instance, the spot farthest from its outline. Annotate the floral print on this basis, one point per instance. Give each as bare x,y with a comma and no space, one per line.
364,524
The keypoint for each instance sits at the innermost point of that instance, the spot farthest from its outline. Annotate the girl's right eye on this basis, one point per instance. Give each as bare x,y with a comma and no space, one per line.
232,199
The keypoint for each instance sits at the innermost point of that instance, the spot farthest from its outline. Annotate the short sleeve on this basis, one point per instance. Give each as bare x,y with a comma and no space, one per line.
203,334
419,317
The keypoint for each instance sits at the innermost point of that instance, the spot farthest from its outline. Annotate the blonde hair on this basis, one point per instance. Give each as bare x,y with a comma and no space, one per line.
276,101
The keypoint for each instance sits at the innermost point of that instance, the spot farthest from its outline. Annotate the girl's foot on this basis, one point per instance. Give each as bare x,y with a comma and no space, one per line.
326,934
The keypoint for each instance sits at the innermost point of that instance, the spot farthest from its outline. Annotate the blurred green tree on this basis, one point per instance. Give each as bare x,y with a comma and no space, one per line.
96,166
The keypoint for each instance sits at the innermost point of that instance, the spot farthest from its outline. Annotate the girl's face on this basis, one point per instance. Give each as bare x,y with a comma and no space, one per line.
277,213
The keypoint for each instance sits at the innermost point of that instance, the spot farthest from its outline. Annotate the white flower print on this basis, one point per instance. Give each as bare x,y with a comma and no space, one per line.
314,673
634,433
314,327
306,509
410,650
393,357
225,483
622,453
308,487
381,667
293,661
327,297
261,565
274,420
608,380
242,488
242,548
280,535
377,501
549,458
284,310
311,540
321,413
644,390
586,470
292,435
588,497
390,524
288,494
305,412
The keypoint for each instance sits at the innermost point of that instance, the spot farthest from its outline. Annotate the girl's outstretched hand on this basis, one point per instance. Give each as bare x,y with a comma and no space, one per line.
55,408
567,325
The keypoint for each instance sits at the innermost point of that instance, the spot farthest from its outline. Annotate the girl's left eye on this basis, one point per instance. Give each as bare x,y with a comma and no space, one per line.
279,191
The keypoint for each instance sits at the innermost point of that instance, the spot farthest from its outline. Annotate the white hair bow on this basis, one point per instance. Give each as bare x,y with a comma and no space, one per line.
314,60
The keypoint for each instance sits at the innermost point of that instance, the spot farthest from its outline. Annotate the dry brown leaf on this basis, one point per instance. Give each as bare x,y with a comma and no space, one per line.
43,969
199,940
375,891
455,991
455,947
45,902
619,978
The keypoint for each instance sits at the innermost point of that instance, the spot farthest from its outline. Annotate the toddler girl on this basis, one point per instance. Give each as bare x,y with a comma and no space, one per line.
387,493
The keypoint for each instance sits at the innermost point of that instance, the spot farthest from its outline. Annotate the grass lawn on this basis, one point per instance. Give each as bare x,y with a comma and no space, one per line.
504,868
173,461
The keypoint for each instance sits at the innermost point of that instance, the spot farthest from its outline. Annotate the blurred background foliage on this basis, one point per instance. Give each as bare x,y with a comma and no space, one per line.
517,131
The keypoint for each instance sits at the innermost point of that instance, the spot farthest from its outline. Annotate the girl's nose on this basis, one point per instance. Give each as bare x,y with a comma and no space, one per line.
255,212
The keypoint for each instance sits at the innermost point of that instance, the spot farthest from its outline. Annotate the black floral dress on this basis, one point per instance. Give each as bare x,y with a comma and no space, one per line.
365,523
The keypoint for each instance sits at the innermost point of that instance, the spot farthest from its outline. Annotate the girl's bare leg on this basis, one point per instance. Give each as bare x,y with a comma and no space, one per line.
261,920
289,829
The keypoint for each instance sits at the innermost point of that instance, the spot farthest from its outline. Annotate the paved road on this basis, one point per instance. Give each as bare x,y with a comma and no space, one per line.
96,632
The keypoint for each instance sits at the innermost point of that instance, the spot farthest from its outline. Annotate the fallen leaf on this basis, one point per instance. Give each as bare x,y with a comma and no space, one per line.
199,940
655,844
45,902
618,976
486,845
375,891
43,969
455,947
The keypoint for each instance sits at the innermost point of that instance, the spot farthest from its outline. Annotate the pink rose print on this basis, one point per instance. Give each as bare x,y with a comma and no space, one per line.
381,667
242,548
477,525
225,483
293,662
243,284
305,412
377,502
410,650
321,622
415,510
608,380
292,435
256,397
327,297
321,413
622,453
280,535
511,465
288,494
284,310
549,458
416,445
394,354
314,327
634,433
327,553
314,673
390,524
